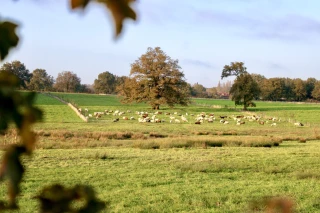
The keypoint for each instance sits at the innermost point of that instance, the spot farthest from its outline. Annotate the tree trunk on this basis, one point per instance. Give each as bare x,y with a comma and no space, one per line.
245,107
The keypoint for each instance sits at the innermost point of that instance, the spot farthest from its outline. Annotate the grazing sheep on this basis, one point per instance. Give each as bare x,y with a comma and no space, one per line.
177,121
132,118
261,122
198,122
274,124
157,120
226,122
298,124
240,122
184,119
116,120
125,118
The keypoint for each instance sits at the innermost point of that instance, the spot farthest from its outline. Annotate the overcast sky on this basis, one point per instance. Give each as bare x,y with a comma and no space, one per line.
275,38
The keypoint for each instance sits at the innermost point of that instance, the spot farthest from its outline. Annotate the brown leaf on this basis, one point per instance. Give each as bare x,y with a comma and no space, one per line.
79,3
120,10
8,38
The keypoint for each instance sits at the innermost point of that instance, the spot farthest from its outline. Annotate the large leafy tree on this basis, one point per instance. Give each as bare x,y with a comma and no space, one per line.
67,81
245,88
41,81
105,83
18,69
156,79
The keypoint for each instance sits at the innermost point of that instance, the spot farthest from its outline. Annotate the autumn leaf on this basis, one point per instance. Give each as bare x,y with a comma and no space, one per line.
120,10
79,3
8,38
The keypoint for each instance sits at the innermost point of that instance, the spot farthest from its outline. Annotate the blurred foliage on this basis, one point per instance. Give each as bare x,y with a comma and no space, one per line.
120,10
17,107
8,38
58,199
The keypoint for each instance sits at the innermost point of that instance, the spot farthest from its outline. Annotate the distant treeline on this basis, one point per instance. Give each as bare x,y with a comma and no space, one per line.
271,89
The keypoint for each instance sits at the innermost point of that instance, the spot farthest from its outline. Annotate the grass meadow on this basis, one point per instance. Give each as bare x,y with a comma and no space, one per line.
177,167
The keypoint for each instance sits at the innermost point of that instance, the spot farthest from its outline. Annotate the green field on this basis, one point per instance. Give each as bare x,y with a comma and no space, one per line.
178,167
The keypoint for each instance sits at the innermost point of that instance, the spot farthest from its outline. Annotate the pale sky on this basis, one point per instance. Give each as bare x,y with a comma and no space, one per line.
275,38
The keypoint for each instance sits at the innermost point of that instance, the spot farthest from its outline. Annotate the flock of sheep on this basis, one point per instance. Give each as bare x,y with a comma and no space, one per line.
160,117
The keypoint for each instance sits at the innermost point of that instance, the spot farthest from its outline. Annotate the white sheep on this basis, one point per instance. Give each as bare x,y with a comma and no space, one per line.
298,124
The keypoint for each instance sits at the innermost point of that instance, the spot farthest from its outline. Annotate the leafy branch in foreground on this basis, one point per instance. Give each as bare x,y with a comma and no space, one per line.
16,107
120,10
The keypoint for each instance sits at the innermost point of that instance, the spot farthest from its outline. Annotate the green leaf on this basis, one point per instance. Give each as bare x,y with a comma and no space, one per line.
8,38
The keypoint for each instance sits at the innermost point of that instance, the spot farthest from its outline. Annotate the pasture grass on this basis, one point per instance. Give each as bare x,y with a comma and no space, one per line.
217,179
172,167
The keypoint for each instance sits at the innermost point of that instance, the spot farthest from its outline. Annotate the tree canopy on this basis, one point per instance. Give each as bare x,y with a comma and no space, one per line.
245,88
41,81
67,81
105,83
18,69
156,79
234,69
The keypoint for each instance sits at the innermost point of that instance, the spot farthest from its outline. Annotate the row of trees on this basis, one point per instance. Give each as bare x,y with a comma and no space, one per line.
248,87
40,80
157,79
277,89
